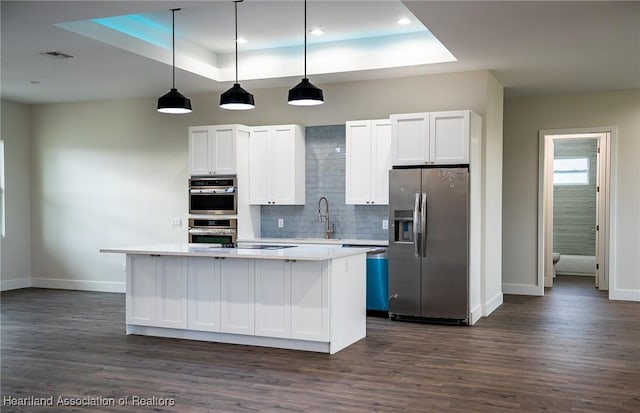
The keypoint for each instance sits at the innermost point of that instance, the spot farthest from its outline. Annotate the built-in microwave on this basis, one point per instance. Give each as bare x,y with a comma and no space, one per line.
213,195
213,231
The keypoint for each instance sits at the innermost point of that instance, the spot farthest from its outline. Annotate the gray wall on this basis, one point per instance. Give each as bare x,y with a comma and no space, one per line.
574,206
15,245
524,117
325,169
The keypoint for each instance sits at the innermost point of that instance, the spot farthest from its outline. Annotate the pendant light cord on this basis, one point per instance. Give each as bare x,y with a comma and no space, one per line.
305,38
173,43
236,38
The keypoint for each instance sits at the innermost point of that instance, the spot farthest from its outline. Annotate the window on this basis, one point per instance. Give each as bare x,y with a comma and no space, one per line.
571,171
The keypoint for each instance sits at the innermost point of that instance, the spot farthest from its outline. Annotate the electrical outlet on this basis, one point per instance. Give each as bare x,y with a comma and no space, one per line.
280,222
176,223
385,224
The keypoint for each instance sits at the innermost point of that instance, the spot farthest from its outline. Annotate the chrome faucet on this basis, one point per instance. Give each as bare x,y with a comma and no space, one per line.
330,227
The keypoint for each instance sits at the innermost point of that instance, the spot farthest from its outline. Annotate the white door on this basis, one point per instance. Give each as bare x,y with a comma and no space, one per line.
199,150
237,298
259,170
410,138
273,298
309,301
204,294
141,289
449,137
381,160
171,301
223,151
358,173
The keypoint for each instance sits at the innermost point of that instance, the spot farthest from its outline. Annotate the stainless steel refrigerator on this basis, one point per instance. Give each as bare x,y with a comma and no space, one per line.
429,244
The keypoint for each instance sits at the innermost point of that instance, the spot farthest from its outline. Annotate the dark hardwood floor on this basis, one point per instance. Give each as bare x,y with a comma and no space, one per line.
571,350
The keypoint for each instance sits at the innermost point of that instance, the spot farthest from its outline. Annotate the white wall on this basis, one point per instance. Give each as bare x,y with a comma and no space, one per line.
15,246
524,117
114,173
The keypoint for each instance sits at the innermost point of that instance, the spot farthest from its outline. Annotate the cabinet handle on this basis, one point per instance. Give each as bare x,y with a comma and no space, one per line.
367,202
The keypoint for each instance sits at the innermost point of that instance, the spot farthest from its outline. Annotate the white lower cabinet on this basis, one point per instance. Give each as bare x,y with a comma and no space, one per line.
292,299
273,298
237,296
204,294
310,301
157,291
268,298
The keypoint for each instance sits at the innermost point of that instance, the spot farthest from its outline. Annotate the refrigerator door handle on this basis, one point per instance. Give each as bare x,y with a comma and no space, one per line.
423,224
416,225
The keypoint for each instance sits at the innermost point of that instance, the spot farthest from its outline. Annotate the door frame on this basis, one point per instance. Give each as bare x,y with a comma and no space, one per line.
606,137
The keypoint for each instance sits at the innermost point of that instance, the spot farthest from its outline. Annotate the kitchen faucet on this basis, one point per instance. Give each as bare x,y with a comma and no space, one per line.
330,227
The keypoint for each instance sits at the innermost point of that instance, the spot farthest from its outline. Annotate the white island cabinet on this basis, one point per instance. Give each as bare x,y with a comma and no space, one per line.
306,298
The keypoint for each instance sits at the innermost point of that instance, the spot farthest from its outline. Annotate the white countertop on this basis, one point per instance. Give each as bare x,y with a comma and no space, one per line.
331,241
303,253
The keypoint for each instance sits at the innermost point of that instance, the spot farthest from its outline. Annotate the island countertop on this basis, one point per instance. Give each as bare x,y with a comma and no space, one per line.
298,252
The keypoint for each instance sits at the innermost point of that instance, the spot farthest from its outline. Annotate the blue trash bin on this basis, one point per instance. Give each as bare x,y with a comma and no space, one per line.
377,280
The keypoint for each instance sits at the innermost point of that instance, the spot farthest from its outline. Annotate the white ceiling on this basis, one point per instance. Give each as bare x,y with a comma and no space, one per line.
532,47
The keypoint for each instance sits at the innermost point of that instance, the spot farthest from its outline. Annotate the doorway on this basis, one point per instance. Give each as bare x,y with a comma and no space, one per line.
575,171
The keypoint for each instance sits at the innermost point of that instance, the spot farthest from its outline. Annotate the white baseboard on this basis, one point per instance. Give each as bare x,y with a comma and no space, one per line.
624,295
520,289
84,285
475,315
491,305
7,285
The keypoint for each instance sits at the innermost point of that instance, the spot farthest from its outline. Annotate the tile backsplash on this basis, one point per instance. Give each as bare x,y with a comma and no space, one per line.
325,176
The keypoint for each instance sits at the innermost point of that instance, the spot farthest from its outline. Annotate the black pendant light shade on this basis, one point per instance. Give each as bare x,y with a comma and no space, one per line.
305,93
237,98
174,102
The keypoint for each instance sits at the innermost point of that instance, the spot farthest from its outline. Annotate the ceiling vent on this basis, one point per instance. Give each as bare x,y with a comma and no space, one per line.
58,55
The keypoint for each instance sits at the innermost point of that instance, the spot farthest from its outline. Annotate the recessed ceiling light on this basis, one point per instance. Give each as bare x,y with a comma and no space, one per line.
33,82
317,31
58,55
403,21
242,40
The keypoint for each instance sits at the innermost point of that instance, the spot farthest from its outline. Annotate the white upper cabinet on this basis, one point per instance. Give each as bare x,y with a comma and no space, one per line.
438,138
212,149
368,160
276,165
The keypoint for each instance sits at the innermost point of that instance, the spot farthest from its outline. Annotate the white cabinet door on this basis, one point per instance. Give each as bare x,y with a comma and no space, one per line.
309,301
282,154
237,297
358,168
449,132
259,166
171,303
276,168
204,294
368,160
381,161
223,153
273,298
212,150
410,138
156,291
199,150
141,290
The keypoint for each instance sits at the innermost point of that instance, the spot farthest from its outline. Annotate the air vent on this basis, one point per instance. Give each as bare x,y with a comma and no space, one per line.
58,55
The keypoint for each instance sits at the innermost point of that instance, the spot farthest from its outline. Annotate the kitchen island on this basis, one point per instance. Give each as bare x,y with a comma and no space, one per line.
298,297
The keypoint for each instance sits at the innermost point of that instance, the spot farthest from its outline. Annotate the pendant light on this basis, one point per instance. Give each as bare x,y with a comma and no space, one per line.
305,93
174,102
237,98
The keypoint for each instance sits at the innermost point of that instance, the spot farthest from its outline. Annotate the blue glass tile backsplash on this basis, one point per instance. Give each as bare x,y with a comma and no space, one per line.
325,169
